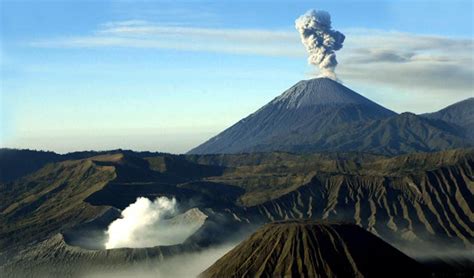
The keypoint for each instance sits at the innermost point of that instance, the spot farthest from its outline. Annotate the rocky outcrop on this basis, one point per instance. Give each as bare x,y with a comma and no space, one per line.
399,204
424,198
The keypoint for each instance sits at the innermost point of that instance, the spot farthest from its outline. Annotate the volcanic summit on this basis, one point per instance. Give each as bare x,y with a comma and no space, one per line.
301,248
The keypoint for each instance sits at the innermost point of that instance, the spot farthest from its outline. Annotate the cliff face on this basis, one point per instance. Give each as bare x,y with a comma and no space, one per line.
51,200
421,197
436,203
312,249
414,197
406,200
417,196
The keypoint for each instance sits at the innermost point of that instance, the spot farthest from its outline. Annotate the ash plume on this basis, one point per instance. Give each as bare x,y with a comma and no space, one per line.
320,40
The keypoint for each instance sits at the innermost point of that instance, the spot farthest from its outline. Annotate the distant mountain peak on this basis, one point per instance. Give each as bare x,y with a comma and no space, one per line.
460,113
407,115
321,114
318,91
295,118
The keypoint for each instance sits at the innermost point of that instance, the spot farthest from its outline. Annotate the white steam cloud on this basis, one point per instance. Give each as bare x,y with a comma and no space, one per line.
146,224
320,40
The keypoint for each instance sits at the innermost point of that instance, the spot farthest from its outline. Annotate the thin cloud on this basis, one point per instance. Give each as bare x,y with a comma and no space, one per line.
364,55
379,46
430,76
395,59
170,15
429,65
143,34
143,28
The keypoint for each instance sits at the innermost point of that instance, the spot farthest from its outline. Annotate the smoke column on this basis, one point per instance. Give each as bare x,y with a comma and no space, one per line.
140,224
320,40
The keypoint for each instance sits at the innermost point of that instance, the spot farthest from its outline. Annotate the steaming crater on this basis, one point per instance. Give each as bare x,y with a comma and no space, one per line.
142,224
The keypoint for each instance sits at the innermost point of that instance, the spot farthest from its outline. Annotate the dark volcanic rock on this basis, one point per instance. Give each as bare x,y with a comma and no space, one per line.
17,163
321,115
309,107
314,249
460,113
408,200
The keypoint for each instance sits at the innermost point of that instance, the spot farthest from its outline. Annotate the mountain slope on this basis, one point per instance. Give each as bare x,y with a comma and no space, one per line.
50,200
460,113
67,194
309,107
399,134
17,163
312,249
54,257
425,196
431,206
321,115
409,200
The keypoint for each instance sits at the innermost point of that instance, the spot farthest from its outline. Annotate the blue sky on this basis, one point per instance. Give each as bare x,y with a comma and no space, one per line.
167,75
